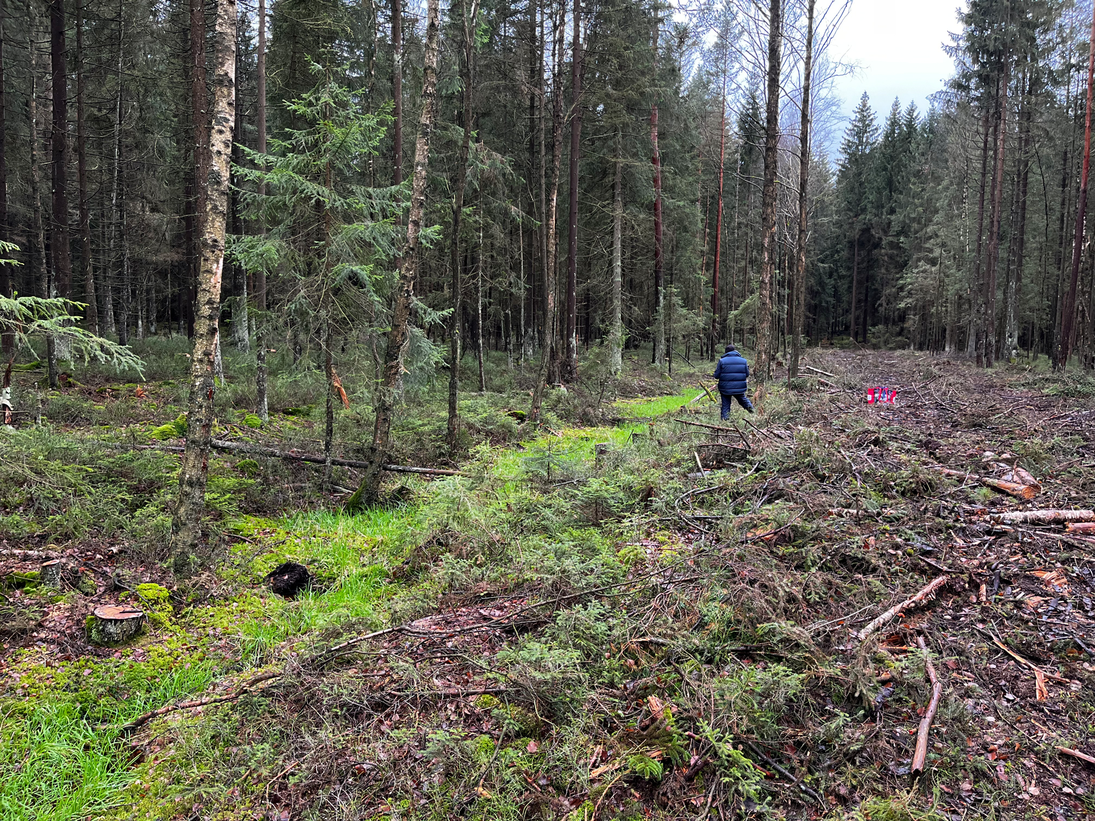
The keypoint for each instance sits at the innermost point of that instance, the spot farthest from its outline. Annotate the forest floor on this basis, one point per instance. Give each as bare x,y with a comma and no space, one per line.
681,626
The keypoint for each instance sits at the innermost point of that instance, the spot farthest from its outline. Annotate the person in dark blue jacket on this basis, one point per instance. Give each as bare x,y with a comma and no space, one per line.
732,373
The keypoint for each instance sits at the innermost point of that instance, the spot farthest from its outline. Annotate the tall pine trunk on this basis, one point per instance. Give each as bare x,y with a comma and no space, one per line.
570,364
769,250
454,240
90,289
716,329
548,364
616,329
186,530
658,357
997,214
798,288
1068,311
7,339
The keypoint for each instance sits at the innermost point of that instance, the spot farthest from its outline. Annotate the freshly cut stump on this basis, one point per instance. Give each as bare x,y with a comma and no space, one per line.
115,624
51,572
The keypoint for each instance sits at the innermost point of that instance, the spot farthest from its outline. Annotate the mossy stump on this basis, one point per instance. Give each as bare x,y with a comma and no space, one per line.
51,573
113,624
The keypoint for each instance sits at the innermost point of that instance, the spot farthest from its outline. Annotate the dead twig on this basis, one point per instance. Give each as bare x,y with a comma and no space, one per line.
140,721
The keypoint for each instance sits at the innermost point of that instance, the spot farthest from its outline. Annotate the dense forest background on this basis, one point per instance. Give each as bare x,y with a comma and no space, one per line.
598,177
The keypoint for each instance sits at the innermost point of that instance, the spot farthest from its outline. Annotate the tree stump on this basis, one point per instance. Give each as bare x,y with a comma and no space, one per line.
115,624
600,450
51,572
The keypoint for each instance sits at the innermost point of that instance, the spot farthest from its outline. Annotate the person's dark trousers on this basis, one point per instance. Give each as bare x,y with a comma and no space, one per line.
728,401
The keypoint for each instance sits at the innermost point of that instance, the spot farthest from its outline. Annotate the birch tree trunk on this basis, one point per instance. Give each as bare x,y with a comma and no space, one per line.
399,335
186,528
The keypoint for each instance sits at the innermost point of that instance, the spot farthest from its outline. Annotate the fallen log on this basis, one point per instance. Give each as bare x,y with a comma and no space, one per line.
256,450
920,755
1043,517
1019,491
925,594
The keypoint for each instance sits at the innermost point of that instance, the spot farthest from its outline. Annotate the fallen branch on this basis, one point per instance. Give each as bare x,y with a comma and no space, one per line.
1043,517
922,596
755,750
818,370
1080,527
702,425
920,756
140,721
1076,754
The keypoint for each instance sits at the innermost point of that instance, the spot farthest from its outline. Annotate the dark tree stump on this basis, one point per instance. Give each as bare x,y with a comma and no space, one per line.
115,624
51,573
288,579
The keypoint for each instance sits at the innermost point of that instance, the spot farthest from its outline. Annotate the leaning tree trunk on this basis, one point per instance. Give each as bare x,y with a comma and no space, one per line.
769,250
399,335
1068,312
798,294
186,521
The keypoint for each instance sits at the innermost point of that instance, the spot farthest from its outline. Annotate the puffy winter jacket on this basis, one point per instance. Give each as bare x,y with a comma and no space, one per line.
732,373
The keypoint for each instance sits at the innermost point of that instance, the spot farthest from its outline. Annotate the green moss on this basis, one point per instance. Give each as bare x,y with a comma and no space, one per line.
252,421
155,600
248,467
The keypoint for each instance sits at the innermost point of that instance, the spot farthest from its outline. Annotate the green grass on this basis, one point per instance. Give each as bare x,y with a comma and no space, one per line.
646,408
60,754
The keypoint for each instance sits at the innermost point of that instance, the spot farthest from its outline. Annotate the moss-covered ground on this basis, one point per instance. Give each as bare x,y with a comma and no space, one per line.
668,628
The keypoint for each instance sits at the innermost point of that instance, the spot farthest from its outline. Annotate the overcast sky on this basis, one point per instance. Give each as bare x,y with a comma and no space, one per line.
898,46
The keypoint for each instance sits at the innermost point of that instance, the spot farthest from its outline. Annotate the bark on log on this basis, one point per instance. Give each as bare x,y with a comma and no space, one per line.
924,595
1043,517
921,754
1080,527
115,624
51,572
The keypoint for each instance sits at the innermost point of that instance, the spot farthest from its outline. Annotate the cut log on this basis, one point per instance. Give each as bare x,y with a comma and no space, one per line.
113,624
1019,491
920,756
925,594
1043,517
51,573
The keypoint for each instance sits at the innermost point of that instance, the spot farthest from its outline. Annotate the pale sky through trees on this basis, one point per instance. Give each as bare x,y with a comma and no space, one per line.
898,46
